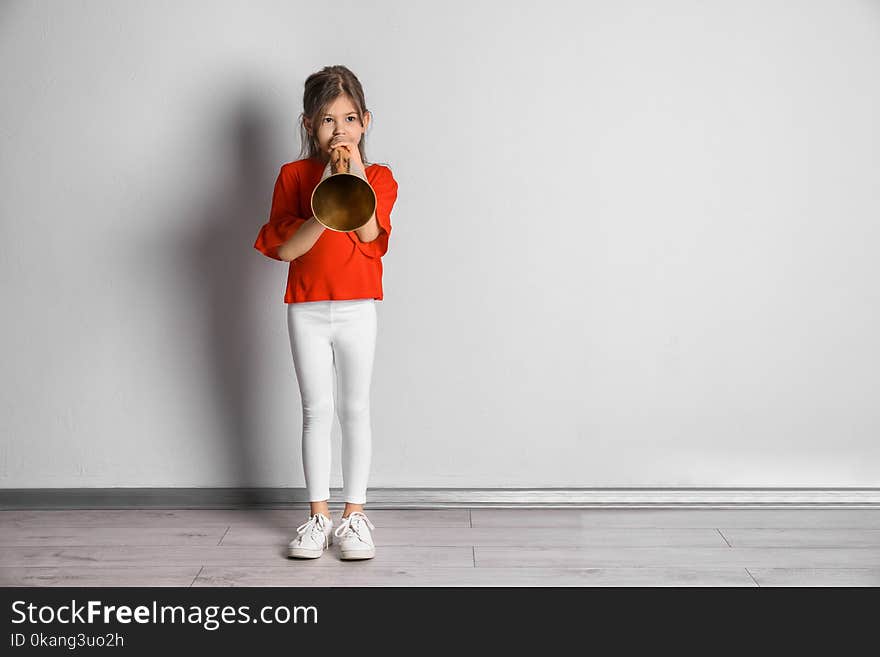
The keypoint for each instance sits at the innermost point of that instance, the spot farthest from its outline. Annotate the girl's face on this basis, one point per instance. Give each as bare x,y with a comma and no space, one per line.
340,119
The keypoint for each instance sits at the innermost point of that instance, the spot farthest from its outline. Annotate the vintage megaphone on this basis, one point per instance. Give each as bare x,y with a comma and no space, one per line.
343,201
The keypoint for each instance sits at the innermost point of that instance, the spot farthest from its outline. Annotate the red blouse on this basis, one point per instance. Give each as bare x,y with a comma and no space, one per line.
339,265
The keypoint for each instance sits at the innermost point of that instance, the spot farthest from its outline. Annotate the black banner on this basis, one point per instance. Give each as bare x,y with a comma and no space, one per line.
141,620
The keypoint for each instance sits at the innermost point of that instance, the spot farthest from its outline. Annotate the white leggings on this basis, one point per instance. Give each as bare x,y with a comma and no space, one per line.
340,335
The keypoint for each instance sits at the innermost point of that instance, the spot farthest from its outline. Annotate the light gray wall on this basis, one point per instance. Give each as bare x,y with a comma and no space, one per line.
636,243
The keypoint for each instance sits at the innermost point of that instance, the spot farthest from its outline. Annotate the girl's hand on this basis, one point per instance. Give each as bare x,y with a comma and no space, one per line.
348,144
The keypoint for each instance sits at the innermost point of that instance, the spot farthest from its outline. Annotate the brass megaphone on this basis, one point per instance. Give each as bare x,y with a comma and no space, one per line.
343,201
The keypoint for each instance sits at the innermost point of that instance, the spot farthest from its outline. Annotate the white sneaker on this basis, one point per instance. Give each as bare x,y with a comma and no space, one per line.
313,536
355,540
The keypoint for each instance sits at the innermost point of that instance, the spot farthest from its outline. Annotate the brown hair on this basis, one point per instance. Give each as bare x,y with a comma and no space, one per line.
321,89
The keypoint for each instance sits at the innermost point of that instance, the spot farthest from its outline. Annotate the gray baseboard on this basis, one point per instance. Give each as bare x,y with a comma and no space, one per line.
439,498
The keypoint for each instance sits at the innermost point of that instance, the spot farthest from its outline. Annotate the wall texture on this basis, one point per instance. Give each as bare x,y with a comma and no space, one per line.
635,245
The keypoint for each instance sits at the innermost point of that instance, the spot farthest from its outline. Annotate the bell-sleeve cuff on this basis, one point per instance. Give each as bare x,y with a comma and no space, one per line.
283,222
385,187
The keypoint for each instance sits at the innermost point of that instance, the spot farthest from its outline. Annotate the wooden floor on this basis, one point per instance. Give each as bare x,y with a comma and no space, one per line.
447,547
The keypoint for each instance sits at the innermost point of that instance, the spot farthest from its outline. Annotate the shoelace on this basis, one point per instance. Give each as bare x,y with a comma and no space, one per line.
315,526
353,523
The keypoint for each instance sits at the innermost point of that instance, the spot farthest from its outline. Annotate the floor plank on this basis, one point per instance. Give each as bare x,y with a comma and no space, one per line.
816,576
659,557
131,536
102,576
206,518
258,555
400,576
694,518
470,536
801,537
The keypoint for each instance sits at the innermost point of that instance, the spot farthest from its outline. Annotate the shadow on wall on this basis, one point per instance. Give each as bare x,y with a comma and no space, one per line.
217,258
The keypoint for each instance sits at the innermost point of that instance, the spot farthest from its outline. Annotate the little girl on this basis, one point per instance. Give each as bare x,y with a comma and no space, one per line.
333,282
